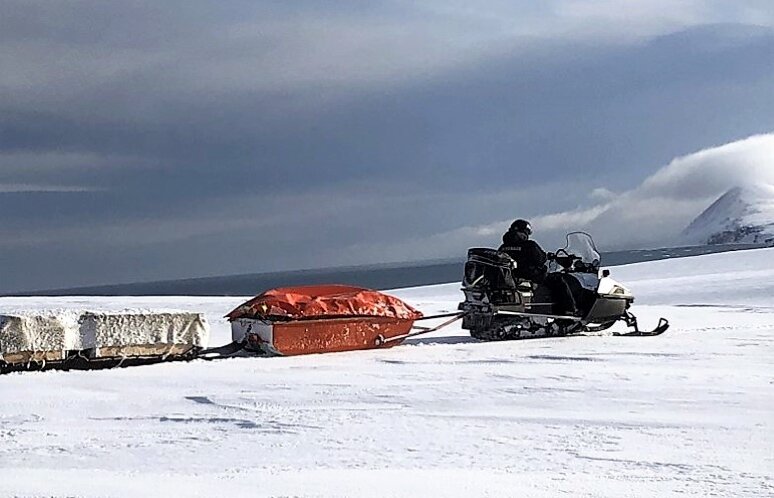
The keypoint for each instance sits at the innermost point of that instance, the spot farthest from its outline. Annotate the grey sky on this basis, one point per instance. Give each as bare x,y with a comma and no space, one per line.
145,141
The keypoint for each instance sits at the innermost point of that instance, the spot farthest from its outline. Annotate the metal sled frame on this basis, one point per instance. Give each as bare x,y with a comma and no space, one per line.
87,360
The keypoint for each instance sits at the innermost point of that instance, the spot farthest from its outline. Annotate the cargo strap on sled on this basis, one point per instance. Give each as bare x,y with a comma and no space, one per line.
381,340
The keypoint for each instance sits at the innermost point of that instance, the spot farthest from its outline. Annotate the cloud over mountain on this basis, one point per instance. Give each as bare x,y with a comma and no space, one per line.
657,211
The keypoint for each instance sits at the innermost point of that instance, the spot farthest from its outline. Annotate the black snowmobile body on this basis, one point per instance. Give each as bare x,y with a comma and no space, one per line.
500,306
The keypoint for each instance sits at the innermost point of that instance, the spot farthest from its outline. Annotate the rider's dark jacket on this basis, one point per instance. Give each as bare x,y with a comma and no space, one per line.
529,256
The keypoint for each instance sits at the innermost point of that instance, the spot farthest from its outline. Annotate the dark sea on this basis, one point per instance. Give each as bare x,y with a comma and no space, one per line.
381,277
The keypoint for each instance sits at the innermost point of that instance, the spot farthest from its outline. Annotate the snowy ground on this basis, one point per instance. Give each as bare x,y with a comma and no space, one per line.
689,413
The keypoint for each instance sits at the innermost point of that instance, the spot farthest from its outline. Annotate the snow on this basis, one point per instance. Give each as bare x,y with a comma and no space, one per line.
743,214
38,332
128,328
688,413
71,329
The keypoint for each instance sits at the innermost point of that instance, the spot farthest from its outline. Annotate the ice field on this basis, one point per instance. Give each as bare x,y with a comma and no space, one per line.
689,413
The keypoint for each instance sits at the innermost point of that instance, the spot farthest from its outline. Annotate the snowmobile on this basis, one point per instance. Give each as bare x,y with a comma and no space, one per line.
500,306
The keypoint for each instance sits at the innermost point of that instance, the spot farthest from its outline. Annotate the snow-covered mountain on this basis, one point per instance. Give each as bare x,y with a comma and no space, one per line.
741,215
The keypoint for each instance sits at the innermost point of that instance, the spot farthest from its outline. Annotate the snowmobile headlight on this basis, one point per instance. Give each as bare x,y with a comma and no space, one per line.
617,289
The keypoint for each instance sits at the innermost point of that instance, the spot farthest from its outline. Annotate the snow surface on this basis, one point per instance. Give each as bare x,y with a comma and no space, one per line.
743,214
688,413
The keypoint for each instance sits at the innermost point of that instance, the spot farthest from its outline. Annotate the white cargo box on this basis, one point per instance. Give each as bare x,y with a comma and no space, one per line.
48,336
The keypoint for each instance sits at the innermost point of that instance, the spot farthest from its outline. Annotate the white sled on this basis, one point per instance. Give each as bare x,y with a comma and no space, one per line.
88,340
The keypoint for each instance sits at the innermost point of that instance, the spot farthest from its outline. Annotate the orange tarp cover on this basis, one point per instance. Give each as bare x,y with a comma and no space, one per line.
324,301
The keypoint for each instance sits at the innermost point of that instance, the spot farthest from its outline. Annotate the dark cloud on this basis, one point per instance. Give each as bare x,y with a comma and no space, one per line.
202,138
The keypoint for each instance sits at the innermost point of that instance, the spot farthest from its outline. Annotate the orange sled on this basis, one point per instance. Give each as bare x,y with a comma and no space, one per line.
321,319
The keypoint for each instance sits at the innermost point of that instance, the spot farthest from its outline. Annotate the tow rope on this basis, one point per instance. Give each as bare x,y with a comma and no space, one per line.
381,340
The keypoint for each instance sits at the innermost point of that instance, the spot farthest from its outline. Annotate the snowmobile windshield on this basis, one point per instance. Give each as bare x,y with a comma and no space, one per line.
581,245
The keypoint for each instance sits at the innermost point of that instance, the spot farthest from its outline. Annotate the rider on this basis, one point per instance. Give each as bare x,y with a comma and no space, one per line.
529,256
531,264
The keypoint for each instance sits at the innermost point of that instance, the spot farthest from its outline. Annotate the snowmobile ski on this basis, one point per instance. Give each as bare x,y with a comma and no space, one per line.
663,326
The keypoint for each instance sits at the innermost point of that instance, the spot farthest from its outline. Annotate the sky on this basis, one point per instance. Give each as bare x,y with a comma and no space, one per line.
144,140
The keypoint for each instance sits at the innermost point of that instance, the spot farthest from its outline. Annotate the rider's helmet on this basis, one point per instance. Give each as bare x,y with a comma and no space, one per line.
522,227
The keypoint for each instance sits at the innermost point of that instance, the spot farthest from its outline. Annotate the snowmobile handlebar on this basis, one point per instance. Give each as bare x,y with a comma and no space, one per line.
562,257
571,262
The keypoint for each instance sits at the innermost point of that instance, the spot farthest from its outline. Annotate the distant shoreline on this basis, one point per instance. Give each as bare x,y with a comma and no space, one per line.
382,277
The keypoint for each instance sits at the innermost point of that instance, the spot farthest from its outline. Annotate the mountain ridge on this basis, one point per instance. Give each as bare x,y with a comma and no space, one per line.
744,214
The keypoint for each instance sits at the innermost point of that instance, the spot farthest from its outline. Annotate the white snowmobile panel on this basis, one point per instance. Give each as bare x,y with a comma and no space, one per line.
610,288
